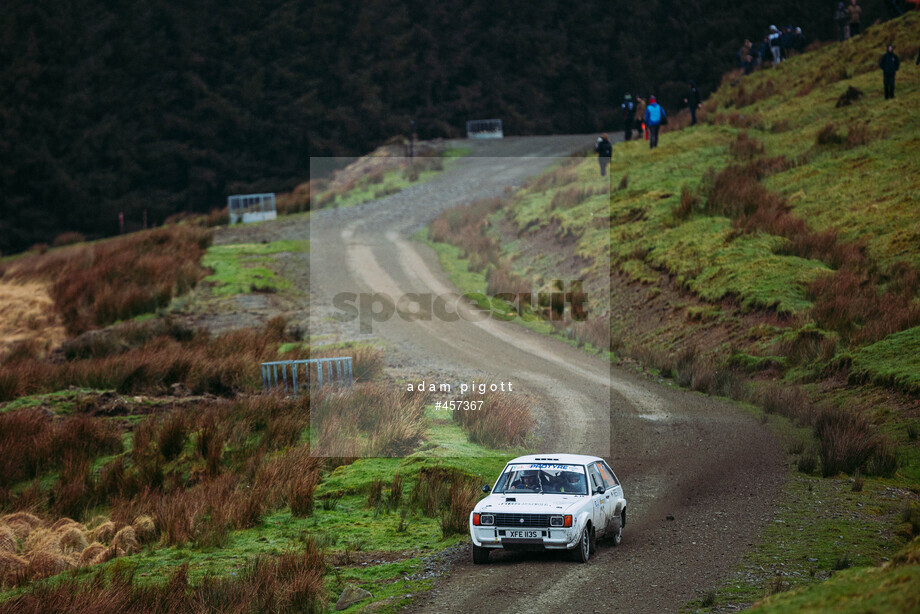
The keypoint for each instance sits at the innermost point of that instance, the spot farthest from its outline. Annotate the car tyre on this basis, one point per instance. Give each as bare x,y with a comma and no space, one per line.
480,555
582,551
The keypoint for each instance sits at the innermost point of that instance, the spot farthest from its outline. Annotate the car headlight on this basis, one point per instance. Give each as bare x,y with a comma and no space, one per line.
560,521
483,519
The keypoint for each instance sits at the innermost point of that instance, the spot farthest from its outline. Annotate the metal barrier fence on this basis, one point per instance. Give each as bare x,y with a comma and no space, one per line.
248,208
484,129
295,375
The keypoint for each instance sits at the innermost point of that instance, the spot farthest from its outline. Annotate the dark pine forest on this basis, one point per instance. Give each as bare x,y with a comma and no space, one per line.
168,106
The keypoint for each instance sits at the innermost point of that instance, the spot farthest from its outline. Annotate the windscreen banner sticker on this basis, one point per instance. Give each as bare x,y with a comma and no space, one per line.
546,467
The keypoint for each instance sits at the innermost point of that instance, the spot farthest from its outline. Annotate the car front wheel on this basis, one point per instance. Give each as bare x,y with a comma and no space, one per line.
480,555
582,551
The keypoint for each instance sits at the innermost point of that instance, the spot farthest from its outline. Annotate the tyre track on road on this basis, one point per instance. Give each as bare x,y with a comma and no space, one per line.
681,455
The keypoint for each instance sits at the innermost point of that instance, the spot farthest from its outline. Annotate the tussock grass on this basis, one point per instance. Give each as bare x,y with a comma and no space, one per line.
95,285
32,442
504,420
461,498
137,358
46,549
290,582
370,420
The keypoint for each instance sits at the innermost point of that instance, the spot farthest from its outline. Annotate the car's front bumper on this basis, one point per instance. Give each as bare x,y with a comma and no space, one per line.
550,538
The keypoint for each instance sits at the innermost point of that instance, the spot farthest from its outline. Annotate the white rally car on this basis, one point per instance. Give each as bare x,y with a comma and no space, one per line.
552,502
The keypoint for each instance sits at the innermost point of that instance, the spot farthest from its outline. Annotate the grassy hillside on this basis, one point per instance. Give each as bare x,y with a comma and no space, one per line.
169,107
771,254
139,455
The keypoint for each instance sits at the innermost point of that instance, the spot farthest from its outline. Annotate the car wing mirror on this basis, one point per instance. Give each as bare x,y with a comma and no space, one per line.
600,490
486,488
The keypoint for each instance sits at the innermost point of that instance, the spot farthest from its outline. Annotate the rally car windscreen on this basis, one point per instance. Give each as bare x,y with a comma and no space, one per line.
542,479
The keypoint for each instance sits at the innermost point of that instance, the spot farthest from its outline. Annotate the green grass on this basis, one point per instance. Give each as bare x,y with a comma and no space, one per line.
820,526
808,537
891,588
867,191
243,268
60,402
457,152
893,361
349,531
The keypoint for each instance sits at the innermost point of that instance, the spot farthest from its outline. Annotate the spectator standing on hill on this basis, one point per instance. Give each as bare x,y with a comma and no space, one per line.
628,108
774,36
641,105
894,8
654,117
765,54
799,42
890,63
854,11
604,152
841,20
785,42
693,101
744,56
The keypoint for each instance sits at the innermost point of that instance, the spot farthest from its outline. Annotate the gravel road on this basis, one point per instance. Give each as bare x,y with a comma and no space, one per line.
700,475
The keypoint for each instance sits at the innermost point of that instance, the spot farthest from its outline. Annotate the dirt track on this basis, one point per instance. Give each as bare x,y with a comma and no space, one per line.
700,476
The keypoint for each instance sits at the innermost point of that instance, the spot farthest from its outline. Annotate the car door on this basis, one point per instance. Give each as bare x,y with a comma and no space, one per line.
616,502
599,500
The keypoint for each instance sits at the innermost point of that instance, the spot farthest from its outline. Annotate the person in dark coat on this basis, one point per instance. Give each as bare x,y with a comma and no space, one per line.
693,101
889,63
766,54
894,8
604,151
841,20
628,108
800,42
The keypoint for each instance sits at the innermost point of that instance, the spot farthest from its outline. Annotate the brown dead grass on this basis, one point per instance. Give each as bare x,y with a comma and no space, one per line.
12,569
63,524
46,563
104,532
21,523
370,420
291,582
27,315
149,358
42,539
8,542
95,285
73,540
503,421
90,553
126,540
145,529
31,441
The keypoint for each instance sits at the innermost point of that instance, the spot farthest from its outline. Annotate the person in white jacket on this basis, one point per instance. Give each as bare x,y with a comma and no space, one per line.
773,37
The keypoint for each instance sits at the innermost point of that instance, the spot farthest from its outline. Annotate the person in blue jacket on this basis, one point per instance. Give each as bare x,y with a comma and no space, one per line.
654,117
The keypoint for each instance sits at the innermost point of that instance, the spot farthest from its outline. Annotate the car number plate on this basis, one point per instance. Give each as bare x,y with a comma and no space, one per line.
522,533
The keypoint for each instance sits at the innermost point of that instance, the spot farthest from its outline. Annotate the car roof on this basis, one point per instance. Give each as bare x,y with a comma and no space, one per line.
563,459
